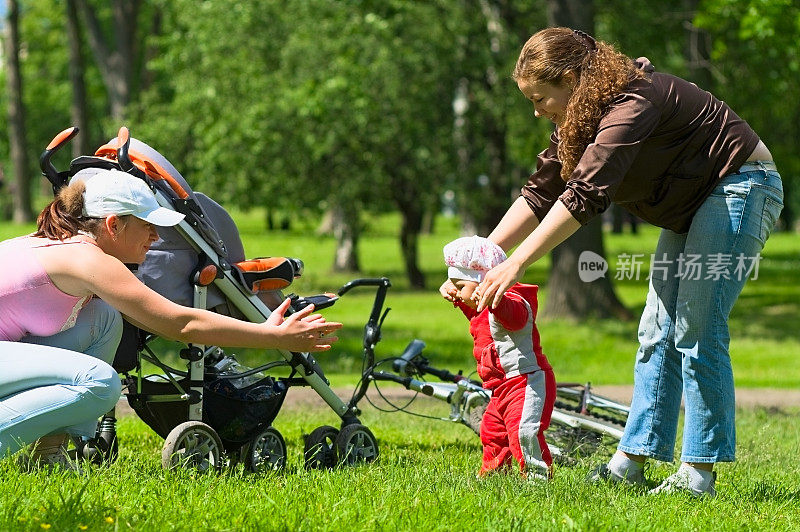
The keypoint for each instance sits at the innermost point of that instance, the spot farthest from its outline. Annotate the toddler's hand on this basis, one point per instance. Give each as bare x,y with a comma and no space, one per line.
448,291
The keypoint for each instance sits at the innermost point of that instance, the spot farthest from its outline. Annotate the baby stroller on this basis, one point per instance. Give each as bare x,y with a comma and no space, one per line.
217,412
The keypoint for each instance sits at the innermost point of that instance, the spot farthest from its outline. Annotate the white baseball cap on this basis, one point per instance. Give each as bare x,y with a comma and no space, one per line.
470,257
114,192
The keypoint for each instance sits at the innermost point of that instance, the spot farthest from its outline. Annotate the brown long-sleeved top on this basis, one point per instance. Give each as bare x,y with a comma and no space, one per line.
658,152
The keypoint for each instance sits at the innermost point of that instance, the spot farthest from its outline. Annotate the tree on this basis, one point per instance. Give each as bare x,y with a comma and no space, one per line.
488,108
568,296
116,54
79,109
755,65
352,110
21,185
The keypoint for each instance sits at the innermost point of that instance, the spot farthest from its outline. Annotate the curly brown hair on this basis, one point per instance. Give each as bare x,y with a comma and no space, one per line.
602,73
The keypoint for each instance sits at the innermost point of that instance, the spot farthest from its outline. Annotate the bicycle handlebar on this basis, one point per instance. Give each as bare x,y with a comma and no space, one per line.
406,382
404,365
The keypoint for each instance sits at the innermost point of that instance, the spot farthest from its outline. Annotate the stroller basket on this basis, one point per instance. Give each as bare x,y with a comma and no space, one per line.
235,413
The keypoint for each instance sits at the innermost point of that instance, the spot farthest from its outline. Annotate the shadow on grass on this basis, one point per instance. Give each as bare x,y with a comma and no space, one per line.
444,447
766,316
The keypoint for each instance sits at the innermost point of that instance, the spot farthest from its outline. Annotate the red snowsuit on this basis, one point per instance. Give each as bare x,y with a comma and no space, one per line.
512,365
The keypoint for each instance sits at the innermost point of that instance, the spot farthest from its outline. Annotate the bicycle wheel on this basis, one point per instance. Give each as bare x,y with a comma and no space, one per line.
573,436
580,399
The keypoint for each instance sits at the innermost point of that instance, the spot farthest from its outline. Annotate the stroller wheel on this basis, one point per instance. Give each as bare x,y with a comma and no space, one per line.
266,451
320,448
356,445
192,445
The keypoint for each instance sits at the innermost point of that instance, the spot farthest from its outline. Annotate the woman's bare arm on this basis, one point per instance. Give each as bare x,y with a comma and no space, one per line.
517,223
109,279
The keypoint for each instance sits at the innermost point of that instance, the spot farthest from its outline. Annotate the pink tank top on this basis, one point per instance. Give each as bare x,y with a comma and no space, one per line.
30,304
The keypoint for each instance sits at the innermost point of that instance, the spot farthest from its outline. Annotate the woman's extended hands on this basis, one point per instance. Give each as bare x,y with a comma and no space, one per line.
302,331
497,281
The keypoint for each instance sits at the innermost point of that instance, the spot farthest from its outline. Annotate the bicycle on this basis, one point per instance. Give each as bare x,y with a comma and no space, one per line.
581,425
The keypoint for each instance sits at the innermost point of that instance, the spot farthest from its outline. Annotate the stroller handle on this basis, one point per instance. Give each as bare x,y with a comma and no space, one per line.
56,178
123,157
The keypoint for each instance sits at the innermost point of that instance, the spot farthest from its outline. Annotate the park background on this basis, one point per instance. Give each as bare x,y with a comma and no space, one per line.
360,136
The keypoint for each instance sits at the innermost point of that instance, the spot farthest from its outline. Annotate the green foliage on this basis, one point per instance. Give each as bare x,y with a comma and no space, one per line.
656,31
210,107
303,102
756,61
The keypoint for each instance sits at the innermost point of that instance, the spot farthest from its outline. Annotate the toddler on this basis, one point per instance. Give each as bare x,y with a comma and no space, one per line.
510,362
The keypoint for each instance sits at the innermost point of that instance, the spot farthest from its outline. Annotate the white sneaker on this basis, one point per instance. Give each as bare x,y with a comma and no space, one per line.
538,474
602,473
679,482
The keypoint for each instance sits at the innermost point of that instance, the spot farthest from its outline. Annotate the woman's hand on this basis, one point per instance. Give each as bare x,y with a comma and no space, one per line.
302,331
448,291
497,281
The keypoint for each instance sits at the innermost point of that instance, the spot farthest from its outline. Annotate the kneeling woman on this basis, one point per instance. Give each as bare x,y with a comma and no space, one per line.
62,290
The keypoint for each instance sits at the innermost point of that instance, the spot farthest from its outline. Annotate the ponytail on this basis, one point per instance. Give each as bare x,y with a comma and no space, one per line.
63,217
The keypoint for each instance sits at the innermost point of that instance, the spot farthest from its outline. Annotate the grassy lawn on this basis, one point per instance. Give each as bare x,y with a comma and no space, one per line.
425,478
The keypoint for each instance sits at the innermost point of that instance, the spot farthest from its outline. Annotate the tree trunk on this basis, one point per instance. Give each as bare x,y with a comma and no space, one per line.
410,229
575,14
346,230
568,296
115,61
498,182
6,202
79,110
18,146
573,295
697,49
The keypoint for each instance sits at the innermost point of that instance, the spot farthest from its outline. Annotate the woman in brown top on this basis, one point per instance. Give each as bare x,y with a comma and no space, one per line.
681,159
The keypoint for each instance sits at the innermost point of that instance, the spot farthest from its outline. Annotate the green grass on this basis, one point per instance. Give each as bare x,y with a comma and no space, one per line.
426,475
424,480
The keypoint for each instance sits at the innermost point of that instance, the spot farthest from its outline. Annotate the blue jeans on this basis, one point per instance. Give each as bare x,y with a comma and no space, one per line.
683,334
48,385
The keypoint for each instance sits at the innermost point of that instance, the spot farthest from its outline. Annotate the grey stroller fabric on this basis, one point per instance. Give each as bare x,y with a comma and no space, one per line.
171,260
